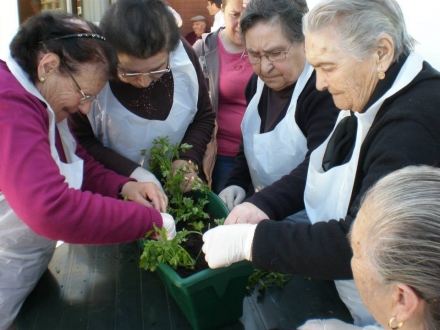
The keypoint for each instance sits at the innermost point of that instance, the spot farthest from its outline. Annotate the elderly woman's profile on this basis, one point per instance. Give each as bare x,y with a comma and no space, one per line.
396,252
389,119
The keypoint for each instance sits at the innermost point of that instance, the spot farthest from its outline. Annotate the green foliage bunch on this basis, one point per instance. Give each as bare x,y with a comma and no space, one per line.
161,161
161,250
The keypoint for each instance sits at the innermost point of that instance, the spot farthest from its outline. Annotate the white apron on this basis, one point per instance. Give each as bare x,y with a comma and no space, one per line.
127,134
328,194
276,153
24,255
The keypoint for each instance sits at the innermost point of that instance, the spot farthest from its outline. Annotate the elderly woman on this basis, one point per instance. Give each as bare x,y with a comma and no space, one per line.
160,92
220,55
396,252
286,117
364,57
50,189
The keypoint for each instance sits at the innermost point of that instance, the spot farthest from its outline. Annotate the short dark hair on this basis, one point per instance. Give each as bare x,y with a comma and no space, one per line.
218,3
287,13
38,33
140,28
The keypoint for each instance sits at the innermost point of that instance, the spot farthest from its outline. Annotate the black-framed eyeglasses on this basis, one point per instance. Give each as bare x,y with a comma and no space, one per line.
86,98
152,74
271,57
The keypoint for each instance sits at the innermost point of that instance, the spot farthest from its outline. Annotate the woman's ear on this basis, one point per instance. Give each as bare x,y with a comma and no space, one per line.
406,303
48,63
384,52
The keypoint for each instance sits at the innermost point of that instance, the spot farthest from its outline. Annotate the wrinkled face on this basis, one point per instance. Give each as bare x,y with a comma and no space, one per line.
350,82
212,8
130,64
375,295
264,38
62,94
199,27
232,13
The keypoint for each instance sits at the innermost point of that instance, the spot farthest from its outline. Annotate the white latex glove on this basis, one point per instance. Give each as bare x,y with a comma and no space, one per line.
140,174
225,245
169,225
232,196
245,213
331,324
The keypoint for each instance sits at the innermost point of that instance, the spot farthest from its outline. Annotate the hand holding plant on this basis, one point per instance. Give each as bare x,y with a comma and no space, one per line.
145,193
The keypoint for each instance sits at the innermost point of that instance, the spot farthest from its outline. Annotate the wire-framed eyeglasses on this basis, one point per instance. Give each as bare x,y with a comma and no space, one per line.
86,98
153,74
276,56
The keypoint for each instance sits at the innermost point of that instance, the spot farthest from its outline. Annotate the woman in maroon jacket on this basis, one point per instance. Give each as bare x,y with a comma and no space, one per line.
50,189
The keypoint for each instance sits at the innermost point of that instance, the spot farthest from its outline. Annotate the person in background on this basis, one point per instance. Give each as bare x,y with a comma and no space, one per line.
50,188
199,27
287,117
363,55
160,91
220,54
214,9
396,252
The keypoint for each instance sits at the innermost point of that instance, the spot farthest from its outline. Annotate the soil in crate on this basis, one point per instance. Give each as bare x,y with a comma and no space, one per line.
194,245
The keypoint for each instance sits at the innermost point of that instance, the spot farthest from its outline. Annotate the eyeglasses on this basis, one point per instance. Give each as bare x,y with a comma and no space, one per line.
86,98
271,57
152,74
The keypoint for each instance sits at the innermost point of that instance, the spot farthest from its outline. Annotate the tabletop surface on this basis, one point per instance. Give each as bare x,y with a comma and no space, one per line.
102,287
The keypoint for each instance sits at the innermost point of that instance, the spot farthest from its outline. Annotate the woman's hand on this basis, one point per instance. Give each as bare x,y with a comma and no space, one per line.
191,170
245,213
145,193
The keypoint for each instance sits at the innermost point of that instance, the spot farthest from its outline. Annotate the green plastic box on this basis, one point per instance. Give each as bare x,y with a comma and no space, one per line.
212,298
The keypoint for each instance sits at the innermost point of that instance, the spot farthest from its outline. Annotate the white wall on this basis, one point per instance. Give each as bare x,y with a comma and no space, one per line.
8,22
423,24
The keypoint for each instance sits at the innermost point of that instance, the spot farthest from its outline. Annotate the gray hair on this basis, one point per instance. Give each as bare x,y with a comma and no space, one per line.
403,236
287,13
359,23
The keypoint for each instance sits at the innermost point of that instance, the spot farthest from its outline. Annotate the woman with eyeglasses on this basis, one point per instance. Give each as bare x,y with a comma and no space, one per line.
286,117
389,119
50,188
159,91
220,55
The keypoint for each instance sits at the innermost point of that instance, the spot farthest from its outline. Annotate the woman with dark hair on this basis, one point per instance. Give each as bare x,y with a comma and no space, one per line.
160,91
50,188
286,117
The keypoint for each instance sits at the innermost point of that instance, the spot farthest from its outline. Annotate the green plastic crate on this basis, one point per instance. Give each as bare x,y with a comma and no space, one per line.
211,298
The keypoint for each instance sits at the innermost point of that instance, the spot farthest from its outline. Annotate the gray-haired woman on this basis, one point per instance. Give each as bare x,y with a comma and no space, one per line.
396,252
364,57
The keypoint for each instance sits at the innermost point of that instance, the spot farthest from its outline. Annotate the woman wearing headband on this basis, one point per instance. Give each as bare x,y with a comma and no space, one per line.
50,189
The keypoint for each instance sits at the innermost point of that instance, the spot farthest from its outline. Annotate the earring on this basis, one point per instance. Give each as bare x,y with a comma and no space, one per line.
391,321
42,79
381,75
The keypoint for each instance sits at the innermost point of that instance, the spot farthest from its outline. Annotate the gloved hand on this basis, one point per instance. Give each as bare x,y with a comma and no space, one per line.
169,225
245,213
331,324
140,174
225,245
232,196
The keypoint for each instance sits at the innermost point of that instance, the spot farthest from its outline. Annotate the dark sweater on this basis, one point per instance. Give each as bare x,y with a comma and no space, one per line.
198,133
315,115
404,132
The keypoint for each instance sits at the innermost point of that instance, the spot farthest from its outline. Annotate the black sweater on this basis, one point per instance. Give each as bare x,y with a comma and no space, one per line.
405,131
315,115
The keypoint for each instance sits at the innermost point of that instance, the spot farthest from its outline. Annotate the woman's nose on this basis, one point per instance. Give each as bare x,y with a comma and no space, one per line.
144,80
321,82
84,108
